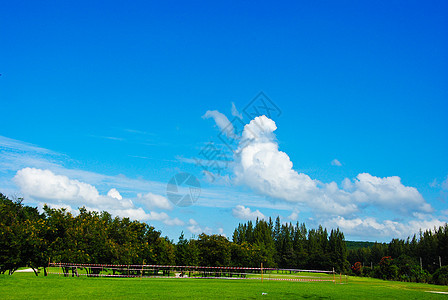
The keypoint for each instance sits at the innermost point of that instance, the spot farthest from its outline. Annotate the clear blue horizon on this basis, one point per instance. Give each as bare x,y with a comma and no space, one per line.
114,96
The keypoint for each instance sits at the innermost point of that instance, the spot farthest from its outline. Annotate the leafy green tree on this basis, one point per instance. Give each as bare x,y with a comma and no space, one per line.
164,251
22,236
214,250
319,257
427,250
286,255
181,251
396,248
338,251
388,269
11,233
378,251
241,255
300,246
442,243
34,245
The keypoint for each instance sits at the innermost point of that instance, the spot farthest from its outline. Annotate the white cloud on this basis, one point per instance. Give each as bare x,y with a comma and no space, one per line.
235,112
245,213
68,208
155,201
113,193
336,162
260,165
265,169
44,184
174,222
294,215
220,231
16,145
17,155
140,214
389,192
371,228
163,217
347,184
221,121
61,191
132,213
195,228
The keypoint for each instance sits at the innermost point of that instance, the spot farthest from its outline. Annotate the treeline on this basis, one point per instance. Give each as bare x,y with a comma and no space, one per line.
30,238
294,246
422,258
274,245
33,239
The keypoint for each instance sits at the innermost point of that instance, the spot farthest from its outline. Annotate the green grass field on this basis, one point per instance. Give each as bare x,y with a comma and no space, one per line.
28,286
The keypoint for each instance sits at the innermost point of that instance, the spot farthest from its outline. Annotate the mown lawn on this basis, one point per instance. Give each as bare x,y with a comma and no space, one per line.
28,286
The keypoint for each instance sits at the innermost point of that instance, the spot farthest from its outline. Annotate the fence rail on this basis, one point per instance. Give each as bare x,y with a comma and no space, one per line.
190,272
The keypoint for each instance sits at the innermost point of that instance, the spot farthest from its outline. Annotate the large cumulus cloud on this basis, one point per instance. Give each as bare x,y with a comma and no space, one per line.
268,171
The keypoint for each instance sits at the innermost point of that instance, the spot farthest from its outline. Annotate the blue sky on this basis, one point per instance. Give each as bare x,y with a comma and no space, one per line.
113,95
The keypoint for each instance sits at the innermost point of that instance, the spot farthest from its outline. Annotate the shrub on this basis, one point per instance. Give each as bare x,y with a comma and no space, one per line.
366,271
441,276
419,275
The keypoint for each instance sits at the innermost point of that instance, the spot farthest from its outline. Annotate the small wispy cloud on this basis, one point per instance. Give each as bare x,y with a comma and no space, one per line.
294,215
195,228
336,163
235,112
206,162
136,131
434,183
245,213
221,121
112,138
15,145
141,157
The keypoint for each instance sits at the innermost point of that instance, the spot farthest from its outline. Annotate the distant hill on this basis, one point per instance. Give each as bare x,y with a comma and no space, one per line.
352,245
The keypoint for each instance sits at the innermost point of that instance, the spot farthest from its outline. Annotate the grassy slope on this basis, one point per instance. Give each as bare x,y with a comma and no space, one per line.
26,285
